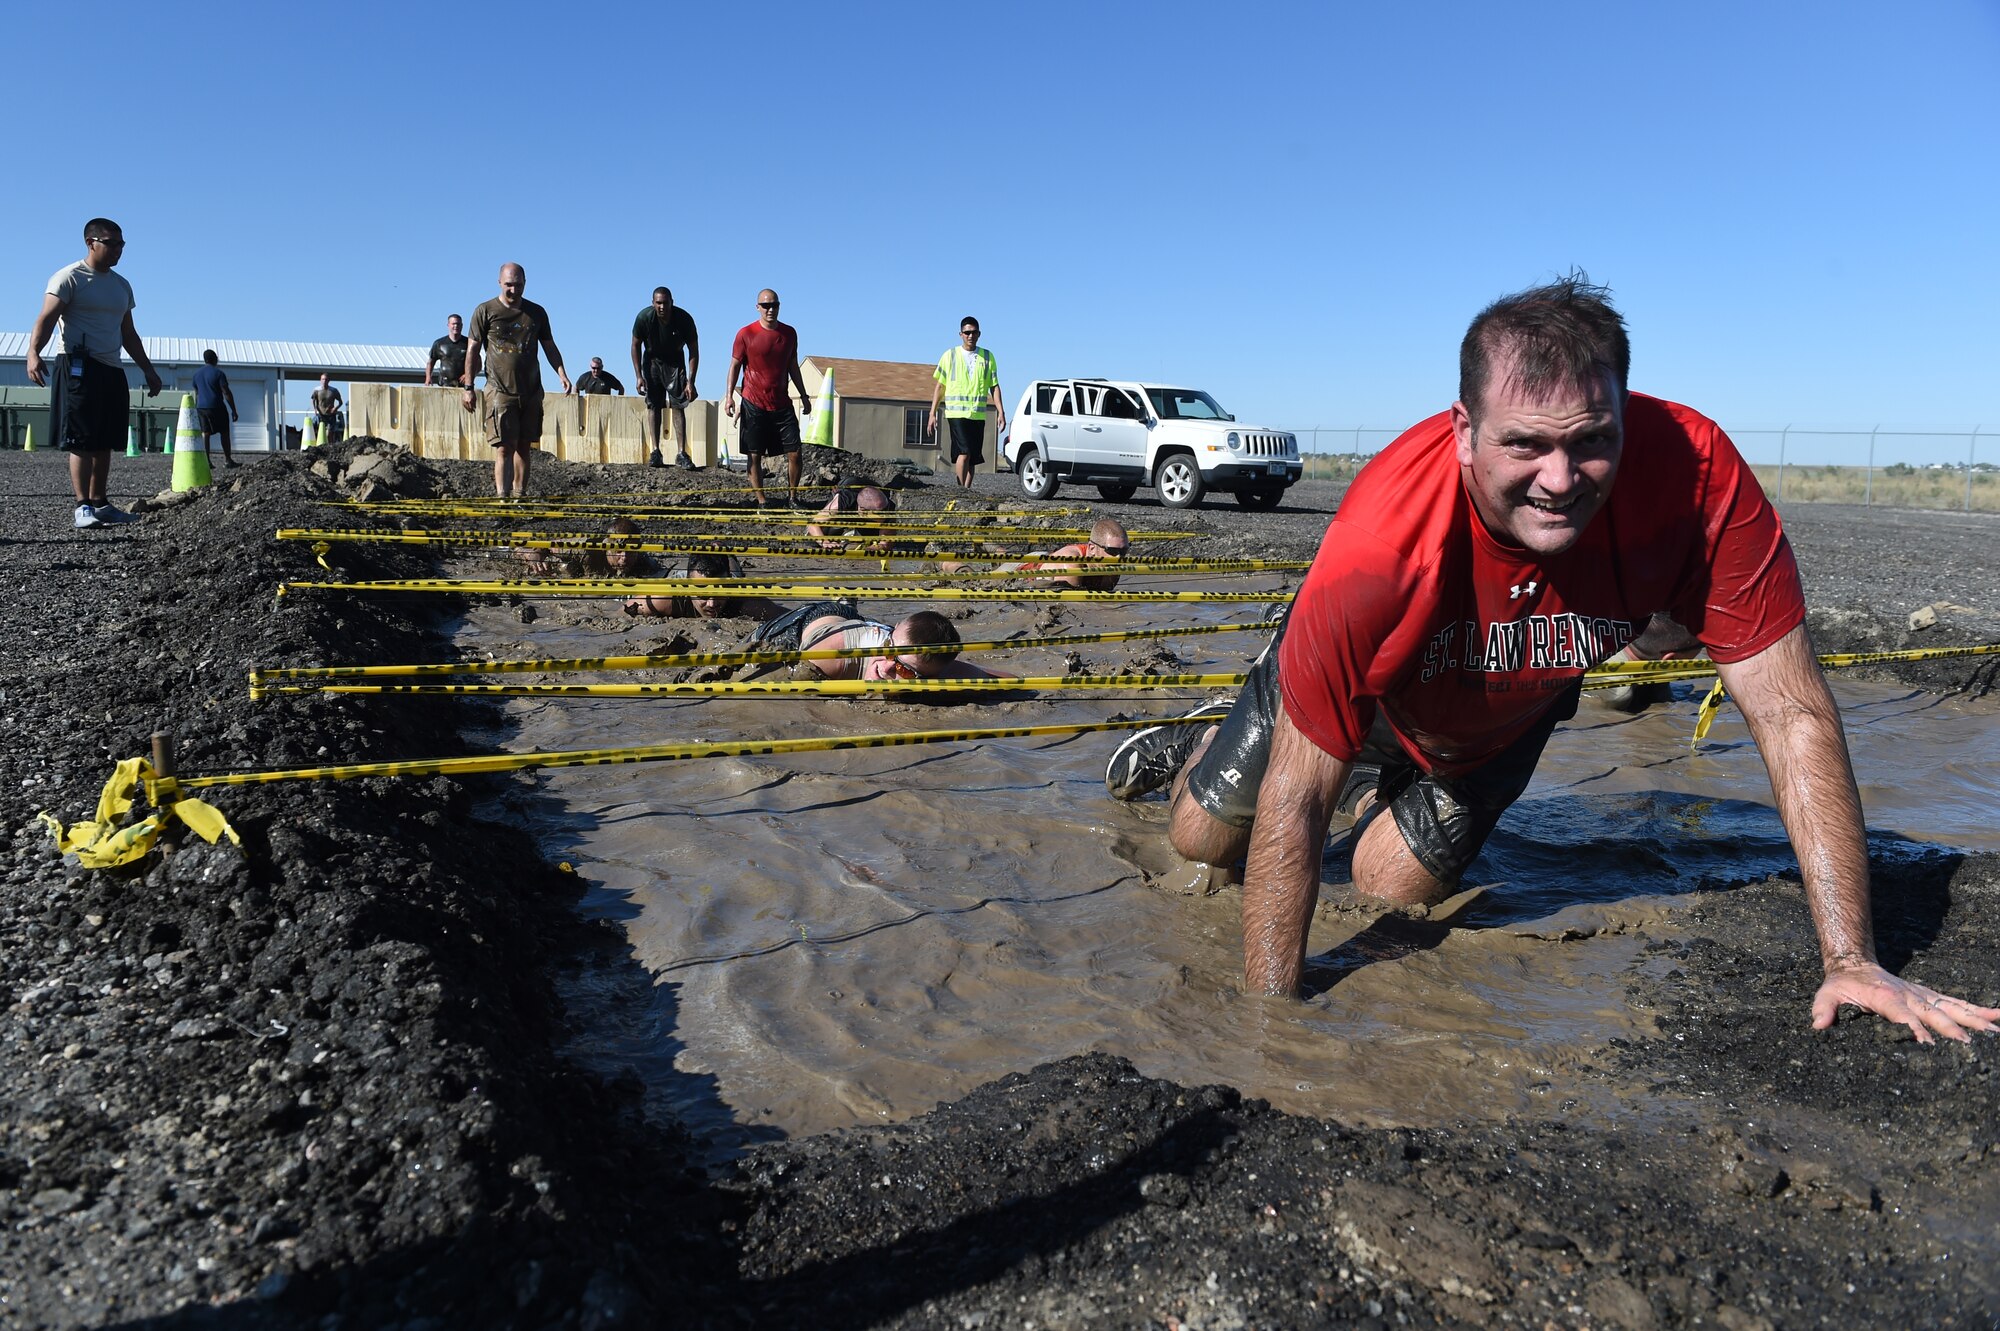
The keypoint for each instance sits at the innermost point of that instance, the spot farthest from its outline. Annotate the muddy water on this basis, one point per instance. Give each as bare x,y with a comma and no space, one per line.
851,937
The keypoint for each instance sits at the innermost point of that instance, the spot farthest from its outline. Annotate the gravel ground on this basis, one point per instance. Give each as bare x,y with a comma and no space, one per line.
317,1082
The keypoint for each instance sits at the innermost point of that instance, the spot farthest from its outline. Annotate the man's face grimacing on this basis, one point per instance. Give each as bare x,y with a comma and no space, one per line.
1539,465
513,281
452,326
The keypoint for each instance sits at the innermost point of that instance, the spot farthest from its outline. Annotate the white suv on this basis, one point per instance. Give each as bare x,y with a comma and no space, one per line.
1120,436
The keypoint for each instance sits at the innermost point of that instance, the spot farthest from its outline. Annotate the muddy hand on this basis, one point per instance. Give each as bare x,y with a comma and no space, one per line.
1921,1009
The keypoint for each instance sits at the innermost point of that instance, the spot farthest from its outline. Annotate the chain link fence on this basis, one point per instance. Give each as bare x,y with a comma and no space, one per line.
1896,468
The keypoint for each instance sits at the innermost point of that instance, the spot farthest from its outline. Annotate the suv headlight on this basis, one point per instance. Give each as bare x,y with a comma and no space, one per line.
1233,441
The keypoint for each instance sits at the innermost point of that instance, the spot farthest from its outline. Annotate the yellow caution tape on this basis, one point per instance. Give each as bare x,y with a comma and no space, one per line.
823,688
583,587
886,524
1616,674
107,841
653,753
1711,707
693,660
494,507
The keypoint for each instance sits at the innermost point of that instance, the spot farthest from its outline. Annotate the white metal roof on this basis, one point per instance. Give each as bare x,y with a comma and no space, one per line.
338,359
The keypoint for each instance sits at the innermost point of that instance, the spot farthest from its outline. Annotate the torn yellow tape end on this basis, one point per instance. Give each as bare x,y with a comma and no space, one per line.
106,841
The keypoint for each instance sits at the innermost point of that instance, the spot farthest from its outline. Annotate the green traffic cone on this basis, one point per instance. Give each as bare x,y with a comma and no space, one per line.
131,441
28,445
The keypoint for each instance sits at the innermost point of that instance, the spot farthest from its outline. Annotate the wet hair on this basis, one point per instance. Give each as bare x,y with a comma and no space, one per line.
459,317
662,291
927,628
710,566
1560,335
597,563
968,319
101,228
208,357
1108,531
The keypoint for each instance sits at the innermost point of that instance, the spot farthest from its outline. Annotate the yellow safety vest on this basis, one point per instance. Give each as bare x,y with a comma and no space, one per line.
967,387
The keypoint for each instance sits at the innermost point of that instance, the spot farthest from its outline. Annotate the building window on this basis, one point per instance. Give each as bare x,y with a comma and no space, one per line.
914,419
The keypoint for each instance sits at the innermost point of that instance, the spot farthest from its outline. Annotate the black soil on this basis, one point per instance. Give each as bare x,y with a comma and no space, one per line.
319,1082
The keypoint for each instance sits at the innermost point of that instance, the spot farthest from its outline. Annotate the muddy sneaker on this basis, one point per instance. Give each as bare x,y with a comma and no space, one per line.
86,517
1149,760
113,516
684,462
656,460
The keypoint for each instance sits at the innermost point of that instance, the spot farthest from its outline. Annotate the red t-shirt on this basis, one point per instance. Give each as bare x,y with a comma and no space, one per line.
768,355
1413,606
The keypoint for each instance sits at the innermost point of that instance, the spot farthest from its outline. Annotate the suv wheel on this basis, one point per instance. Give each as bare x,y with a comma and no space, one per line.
1037,481
1263,497
1117,494
1178,479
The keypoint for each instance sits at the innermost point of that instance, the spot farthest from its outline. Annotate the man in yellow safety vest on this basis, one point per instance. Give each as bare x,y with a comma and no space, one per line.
967,383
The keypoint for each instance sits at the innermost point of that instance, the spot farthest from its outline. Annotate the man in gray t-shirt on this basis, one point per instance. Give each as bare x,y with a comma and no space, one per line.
90,401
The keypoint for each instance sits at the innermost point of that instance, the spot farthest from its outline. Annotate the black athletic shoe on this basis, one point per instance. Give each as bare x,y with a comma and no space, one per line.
684,462
656,460
1149,760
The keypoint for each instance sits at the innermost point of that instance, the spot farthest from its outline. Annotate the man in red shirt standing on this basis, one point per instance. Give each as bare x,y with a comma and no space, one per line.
766,353
1473,572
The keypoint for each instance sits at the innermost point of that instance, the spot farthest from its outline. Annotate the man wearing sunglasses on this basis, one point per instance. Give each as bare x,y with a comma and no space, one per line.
925,628
968,382
90,403
766,354
1477,567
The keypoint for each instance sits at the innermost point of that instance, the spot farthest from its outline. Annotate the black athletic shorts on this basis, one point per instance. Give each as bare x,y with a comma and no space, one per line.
89,413
1444,820
663,385
968,440
215,420
767,433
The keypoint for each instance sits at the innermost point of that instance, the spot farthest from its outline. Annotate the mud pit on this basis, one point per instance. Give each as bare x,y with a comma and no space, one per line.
845,930
437,1140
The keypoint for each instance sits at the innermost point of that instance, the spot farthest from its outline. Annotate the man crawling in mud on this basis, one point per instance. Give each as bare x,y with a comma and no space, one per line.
1475,569
1108,541
705,568
835,628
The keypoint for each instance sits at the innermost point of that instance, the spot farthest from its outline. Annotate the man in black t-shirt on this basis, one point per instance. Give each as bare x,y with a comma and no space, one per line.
665,356
446,366
595,380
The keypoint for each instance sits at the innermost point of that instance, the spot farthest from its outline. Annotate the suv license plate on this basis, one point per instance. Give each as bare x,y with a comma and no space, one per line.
1277,469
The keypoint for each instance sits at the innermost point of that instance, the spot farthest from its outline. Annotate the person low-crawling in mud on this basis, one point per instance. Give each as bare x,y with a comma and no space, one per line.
722,605
1477,567
1062,566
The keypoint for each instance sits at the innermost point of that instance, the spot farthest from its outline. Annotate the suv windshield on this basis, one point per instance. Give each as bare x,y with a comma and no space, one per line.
1186,404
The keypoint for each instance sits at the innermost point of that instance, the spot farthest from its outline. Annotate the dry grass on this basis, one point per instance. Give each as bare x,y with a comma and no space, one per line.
1911,488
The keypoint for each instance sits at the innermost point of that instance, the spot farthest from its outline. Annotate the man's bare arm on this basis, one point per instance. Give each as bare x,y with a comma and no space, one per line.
45,324
1793,718
694,361
799,382
1281,876
937,400
548,341
729,389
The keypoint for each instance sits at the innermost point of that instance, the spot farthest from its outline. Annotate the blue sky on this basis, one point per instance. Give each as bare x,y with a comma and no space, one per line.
1297,207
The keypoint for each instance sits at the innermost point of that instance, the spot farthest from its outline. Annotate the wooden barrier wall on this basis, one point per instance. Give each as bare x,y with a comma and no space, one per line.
433,423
